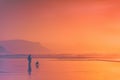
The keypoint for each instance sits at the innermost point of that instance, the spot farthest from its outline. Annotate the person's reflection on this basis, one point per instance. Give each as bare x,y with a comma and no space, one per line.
29,69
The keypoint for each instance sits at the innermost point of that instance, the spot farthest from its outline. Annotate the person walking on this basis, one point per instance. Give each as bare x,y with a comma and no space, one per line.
29,59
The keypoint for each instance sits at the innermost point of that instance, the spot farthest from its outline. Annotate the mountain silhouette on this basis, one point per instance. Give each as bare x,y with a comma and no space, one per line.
22,47
2,49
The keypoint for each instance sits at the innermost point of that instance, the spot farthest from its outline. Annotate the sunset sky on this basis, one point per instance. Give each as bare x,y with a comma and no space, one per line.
64,26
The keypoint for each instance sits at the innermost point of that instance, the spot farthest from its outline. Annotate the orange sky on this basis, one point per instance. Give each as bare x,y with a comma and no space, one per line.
63,26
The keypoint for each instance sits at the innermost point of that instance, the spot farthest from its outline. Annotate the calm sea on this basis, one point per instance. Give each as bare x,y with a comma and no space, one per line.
53,69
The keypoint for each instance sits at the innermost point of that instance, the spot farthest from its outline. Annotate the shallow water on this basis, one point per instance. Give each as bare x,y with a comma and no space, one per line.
51,69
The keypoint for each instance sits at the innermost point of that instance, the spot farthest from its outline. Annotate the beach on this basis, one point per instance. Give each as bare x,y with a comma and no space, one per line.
55,69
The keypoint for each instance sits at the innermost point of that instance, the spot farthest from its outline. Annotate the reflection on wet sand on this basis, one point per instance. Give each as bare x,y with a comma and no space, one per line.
19,69
29,69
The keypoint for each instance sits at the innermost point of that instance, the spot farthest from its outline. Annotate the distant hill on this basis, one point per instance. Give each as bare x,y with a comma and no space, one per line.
2,49
22,47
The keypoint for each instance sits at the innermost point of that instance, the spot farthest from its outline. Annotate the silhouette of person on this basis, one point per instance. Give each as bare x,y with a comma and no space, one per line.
29,59
29,64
